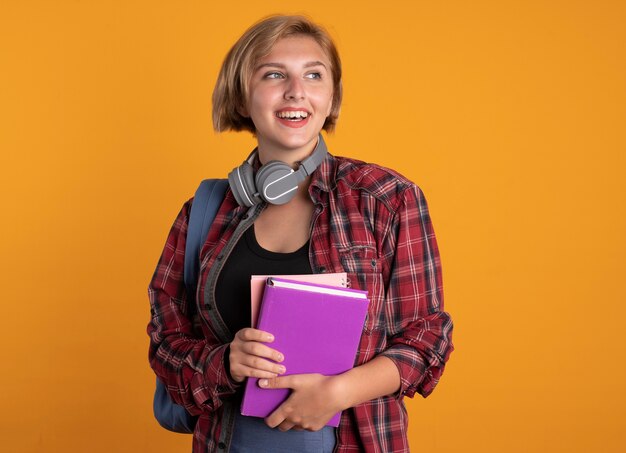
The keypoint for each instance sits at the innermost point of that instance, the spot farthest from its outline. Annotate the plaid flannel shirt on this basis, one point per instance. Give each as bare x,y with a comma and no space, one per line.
369,222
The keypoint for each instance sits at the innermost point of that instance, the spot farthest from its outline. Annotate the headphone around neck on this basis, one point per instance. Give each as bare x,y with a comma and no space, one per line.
275,182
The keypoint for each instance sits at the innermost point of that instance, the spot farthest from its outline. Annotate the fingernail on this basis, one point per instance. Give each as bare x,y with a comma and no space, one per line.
280,357
263,383
282,369
270,337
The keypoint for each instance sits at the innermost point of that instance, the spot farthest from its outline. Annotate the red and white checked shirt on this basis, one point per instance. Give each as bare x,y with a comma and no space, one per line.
369,222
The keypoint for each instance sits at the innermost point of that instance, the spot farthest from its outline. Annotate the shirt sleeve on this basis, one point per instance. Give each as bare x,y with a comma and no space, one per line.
190,365
421,340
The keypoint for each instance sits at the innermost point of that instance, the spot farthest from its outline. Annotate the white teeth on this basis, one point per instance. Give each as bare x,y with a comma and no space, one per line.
293,114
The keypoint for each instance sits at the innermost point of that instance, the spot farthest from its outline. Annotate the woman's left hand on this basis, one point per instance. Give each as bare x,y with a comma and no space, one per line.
314,400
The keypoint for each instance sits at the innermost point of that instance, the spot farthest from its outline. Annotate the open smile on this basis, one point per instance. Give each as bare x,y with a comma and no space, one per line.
293,118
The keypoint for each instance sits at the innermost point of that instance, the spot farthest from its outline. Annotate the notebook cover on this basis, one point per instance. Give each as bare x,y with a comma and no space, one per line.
317,333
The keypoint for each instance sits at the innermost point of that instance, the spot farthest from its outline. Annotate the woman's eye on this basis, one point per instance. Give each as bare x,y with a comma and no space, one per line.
273,75
314,75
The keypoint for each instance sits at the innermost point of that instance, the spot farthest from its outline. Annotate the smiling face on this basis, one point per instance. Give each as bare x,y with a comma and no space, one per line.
290,96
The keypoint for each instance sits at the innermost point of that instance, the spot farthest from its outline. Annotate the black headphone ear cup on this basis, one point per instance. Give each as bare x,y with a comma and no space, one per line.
241,181
274,184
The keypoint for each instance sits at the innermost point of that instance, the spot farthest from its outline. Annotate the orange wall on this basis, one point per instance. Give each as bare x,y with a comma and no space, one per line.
509,114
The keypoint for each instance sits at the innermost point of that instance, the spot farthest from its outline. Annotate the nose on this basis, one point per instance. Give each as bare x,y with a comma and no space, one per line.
294,89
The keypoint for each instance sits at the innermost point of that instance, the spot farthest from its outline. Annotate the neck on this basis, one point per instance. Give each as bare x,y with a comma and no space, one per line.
292,157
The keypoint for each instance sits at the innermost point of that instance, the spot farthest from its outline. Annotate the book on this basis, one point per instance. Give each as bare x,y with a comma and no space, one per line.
316,327
257,285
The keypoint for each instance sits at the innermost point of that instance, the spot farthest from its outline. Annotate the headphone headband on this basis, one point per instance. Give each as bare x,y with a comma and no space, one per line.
310,164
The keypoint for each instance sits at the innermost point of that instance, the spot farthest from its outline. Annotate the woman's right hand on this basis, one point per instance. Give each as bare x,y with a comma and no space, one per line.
248,357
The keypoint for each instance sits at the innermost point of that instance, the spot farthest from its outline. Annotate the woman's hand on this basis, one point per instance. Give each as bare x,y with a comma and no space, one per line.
248,356
314,400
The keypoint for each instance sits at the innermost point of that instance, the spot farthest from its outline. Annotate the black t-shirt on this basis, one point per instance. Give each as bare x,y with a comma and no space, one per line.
248,258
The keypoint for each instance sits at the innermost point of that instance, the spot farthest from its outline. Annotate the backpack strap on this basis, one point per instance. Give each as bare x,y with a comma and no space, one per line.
206,202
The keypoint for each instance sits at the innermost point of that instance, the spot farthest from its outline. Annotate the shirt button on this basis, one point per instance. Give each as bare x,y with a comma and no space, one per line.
221,446
220,388
321,269
219,257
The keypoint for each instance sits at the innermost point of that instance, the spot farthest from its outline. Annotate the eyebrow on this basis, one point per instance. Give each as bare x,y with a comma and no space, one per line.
282,66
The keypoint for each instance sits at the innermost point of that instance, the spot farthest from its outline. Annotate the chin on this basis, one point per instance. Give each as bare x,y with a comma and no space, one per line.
301,143
297,140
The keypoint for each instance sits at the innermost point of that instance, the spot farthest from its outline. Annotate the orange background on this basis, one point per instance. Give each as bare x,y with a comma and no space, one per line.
509,114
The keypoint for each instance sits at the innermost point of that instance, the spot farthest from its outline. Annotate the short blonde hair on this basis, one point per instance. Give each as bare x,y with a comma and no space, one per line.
231,89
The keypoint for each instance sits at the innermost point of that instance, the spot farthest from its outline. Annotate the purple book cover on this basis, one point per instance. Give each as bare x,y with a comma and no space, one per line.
316,327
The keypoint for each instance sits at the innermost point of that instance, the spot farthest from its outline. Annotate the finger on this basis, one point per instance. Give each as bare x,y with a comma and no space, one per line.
262,365
246,371
261,350
250,334
285,426
282,382
278,420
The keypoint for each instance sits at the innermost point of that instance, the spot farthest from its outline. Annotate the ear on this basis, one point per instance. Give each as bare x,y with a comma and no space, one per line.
330,106
243,111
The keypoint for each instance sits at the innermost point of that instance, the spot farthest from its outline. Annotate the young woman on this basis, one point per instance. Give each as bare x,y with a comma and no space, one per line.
282,82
